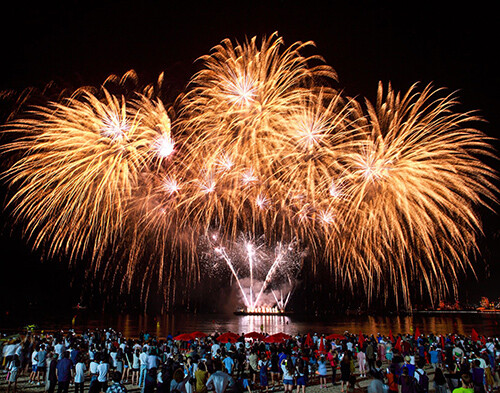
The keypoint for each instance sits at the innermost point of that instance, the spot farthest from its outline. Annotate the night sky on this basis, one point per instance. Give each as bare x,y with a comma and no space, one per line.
78,43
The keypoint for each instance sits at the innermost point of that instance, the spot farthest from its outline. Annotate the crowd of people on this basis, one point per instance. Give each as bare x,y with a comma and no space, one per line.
106,361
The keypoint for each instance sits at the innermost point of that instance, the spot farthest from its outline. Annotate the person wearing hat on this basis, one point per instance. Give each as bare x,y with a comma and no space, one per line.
409,366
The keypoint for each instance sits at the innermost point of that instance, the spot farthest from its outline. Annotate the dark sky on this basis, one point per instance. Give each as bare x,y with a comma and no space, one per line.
82,43
451,47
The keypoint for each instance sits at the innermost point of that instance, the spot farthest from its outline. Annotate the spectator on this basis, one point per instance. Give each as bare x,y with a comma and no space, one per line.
117,387
64,366
219,381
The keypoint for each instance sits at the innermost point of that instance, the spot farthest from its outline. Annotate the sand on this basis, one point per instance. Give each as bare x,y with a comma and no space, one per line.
313,386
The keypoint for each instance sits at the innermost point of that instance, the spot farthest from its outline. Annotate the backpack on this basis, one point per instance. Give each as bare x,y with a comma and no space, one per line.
423,383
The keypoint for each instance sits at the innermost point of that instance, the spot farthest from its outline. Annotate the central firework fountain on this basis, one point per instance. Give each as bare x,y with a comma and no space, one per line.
264,274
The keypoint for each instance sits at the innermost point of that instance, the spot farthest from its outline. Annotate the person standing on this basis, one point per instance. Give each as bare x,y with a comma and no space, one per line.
63,368
434,357
253,361
301,375
477,376
228,363
392,381
201,376
143,360
333,359
440,384
288,373
117,387
407,382
136,365
322,371
42,363
361,363
263,368
13,369
345,372
466,385
219,381
79,374
102,374
51,372
370,356
34,366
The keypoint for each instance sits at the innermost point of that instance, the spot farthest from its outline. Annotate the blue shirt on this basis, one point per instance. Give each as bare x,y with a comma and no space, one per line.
73,355
64,370
410,367
477,376
434,356
322,367
228,363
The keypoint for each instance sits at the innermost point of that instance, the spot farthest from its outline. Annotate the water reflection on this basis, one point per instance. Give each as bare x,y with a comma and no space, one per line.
162,325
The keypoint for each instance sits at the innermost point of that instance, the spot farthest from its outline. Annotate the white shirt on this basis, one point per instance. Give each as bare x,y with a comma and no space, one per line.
482,363
93,367
34,362
219,381
59,349
113,356
151,362
286,374
102,369
143,357
136,362
80,372
418,372
215,348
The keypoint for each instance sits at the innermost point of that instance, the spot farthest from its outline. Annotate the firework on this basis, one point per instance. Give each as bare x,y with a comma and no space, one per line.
80,162
413,186
385,194
254,264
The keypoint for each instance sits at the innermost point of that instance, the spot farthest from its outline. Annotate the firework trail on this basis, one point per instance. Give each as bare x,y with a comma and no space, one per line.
251,262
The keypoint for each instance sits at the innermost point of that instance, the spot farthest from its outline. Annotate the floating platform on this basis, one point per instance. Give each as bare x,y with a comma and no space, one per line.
269,312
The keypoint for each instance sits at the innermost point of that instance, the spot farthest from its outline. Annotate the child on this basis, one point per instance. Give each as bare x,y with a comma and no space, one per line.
322,370
13,367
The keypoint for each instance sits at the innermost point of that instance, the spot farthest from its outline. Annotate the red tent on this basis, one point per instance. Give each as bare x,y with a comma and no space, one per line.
277,338
255,336
272,339
199,334
335,336
228,337
361,340
183,337
283,336
474,335
391,337
309,342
